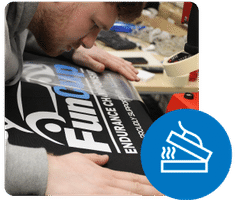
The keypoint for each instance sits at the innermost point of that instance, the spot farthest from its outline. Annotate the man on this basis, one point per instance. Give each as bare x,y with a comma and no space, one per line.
59,27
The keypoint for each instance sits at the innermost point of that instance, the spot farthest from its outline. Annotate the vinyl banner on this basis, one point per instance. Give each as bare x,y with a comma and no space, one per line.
67,108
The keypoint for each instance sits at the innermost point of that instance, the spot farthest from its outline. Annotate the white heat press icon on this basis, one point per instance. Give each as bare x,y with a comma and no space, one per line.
190,147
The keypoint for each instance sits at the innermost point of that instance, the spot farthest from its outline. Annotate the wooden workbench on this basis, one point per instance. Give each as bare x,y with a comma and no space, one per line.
161,82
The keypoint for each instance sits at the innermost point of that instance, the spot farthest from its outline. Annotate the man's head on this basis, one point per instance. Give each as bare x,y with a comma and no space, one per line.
61,26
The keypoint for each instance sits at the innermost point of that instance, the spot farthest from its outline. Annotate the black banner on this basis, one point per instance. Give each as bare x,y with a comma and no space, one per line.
66,109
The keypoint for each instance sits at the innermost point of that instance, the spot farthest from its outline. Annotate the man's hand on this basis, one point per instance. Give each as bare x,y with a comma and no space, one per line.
98,59
82,174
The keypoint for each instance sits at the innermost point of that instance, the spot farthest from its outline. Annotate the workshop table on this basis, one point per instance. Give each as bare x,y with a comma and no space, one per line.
160,83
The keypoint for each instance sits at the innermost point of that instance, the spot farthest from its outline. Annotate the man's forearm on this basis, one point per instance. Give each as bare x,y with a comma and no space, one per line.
26,170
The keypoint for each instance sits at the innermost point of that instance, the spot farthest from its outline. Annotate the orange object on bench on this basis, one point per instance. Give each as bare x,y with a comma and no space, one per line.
183,101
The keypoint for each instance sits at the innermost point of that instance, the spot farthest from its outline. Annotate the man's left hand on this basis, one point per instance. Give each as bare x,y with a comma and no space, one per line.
98,59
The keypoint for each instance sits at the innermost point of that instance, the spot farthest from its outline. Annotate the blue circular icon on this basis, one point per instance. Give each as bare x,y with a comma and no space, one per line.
186,154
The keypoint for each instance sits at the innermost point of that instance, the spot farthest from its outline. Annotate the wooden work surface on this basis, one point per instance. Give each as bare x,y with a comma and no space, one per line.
163,24
161,83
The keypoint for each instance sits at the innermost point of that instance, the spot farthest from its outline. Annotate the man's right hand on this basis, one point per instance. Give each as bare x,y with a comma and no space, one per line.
83,174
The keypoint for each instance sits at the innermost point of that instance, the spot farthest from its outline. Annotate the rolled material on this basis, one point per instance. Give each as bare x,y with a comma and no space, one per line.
178,72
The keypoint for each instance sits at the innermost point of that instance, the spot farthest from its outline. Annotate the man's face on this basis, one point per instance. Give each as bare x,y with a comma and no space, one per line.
69,25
